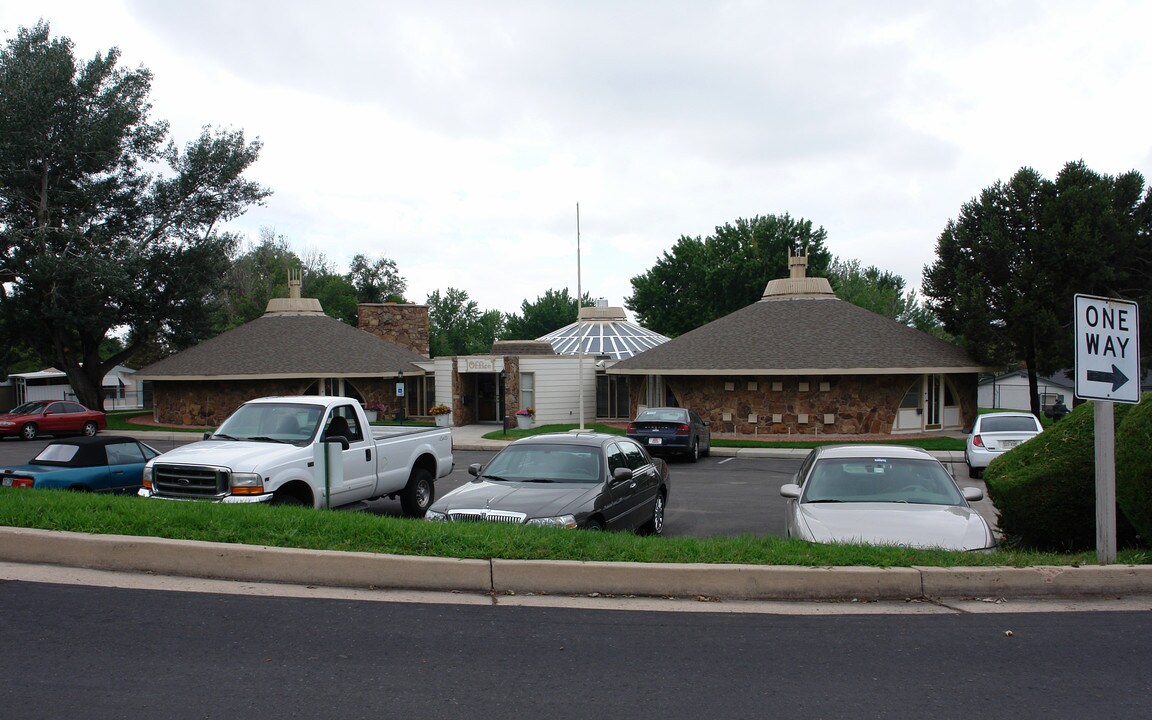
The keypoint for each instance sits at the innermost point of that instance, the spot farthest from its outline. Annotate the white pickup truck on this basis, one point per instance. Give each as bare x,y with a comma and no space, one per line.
283,450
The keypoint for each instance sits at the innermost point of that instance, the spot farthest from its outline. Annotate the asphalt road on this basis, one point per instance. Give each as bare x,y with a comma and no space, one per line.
95,652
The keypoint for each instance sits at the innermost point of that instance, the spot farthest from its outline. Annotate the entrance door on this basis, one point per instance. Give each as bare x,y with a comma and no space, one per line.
933,402
487,396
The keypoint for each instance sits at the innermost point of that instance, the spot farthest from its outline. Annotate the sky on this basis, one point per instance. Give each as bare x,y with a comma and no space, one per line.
458,137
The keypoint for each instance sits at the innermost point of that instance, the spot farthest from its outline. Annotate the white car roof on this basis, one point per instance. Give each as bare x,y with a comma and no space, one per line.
890,451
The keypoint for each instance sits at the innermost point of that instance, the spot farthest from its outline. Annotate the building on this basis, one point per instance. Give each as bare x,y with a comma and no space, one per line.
295,349
800,361
121,387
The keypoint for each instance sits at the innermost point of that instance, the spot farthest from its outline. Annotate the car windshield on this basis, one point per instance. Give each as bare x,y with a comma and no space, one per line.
280,421
886,480
546,463
677,416
28,408
1008,424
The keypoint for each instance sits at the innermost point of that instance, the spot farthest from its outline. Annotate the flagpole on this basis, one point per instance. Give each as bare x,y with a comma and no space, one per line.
579,330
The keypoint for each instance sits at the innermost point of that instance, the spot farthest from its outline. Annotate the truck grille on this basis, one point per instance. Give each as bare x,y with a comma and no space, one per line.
500,516
191,481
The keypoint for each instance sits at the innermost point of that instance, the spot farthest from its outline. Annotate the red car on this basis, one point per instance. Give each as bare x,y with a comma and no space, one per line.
51,417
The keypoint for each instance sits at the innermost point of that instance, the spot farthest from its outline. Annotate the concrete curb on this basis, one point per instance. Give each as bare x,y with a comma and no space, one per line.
253,563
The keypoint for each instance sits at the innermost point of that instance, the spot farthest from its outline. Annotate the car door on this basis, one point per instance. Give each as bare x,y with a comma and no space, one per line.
359,459
125,467
619,495
57,418
637,494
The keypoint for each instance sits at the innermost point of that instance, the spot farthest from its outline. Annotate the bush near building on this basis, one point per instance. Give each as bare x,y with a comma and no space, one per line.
1045,490
1134,468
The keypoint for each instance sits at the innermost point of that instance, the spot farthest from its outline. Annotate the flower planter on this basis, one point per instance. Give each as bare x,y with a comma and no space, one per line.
443,420
371,415
523,421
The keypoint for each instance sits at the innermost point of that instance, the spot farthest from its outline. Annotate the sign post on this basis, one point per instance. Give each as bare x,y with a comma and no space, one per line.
1107,372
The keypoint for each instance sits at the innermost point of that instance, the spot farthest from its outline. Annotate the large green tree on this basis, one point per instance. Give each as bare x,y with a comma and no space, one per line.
703,279
456,325
1008,267
104,224
882,292
549,312
376,281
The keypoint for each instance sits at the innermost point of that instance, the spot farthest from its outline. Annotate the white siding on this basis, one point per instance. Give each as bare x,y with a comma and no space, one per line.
558,387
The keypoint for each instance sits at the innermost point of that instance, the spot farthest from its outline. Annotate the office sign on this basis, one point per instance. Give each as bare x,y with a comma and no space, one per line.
1107,349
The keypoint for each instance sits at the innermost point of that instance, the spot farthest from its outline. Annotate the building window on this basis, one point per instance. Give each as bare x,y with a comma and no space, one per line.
611,396
527,390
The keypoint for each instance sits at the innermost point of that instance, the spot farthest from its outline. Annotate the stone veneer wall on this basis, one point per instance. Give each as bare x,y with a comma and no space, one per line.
858,404
511,389
400,323
204,403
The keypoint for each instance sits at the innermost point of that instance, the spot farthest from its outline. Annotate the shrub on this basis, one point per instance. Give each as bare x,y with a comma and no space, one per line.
1045,489
1134,467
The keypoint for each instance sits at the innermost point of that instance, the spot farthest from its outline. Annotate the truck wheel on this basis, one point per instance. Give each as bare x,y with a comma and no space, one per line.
418,495
281,498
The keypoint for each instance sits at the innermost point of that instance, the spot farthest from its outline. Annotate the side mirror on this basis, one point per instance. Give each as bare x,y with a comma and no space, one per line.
973,494
343,441
791,491
621,474
474,469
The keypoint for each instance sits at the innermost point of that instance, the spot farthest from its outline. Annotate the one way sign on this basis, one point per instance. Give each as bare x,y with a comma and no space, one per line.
1107,349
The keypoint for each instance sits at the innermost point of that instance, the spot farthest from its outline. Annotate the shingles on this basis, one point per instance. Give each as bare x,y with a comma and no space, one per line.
287,346
801,334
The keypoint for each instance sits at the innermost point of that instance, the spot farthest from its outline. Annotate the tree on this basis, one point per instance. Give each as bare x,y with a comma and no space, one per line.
551,311
880,291
705,279
376,281
1008,267
457,327
256,275
102,225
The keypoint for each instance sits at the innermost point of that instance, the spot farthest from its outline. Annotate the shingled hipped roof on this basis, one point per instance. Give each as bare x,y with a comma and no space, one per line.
287,346
801,336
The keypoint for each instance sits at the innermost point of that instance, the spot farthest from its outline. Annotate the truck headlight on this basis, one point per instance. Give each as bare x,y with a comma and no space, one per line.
247,484
566,521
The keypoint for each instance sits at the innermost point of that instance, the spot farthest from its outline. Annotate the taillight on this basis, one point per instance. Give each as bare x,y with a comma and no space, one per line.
20,482
683,430
977,441
631,428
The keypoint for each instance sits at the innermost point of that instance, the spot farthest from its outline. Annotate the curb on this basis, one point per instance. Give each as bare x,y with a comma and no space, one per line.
252,563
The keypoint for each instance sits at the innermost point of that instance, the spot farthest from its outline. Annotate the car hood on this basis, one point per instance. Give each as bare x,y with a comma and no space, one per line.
927,526
533,499
238,455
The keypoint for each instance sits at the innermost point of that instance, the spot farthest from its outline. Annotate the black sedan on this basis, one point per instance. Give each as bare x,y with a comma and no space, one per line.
672,431
584,480
101,463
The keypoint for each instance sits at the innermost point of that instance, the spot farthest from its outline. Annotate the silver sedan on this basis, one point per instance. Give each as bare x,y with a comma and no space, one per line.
882,495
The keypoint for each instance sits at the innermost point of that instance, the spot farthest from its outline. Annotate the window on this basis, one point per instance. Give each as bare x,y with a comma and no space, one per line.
635,456
616,458
611,396
528,390
124,453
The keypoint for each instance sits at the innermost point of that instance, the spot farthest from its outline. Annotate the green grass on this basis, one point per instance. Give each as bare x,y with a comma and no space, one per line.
364,532
936,443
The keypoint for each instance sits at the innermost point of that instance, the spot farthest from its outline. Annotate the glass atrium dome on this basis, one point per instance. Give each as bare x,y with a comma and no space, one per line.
603,331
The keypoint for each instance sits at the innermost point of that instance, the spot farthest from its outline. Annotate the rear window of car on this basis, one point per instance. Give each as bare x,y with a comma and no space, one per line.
1008,424
57,454
662,416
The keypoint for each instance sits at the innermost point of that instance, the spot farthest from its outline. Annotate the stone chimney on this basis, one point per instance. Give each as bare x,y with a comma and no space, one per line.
404,324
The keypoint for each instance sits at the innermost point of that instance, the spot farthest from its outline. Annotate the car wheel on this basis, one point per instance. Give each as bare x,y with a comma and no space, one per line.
655,526
595,524
418,495
695,454
283,498
91,428
29,432
976,473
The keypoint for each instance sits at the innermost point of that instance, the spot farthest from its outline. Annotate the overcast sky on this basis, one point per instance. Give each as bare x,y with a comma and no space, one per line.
458,137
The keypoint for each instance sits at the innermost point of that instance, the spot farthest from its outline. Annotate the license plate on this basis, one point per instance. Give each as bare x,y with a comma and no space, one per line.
654,441
1010,443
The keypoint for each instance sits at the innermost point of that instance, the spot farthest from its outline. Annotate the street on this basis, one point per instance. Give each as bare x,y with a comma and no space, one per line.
103,652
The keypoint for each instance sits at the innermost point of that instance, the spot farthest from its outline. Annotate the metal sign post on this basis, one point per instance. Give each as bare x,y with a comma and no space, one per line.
1107,371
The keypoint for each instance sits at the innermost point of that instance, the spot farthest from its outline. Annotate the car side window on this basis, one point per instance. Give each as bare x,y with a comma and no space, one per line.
802,473
635,456
616,458
124,453
345,422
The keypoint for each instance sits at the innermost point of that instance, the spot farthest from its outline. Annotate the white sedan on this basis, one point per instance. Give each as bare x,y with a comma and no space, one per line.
995,434
883,495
